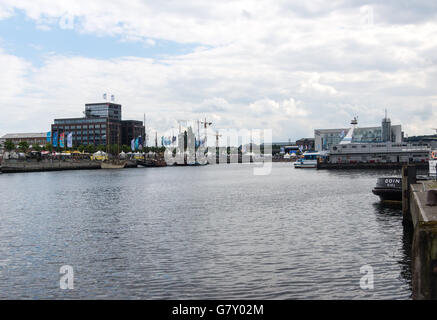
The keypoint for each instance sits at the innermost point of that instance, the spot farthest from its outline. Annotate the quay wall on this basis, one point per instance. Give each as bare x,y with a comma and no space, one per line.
420,213
12,165
374,166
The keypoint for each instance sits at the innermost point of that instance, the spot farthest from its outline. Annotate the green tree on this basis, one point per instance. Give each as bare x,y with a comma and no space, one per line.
125,148
36,147
90,148
113,149
48,147
23,146
9,145
101,147
81,148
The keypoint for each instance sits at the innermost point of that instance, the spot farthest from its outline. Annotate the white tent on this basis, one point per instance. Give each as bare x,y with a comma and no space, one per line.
99,153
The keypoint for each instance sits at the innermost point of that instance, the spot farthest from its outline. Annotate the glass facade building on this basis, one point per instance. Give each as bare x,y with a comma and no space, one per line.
101,125
111,111
326,138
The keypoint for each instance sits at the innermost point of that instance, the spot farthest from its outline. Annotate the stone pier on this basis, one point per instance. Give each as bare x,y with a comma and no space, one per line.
420,211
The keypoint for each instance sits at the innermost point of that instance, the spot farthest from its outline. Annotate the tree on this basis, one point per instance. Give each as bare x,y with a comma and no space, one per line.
48,147
113,149
23,146
101,147
9,145
90,148
81,148
36,147
125,148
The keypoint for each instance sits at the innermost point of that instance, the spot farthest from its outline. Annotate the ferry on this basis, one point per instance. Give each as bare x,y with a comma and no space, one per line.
310,159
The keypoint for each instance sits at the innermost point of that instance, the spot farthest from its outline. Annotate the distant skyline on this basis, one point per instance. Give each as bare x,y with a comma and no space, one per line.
284,65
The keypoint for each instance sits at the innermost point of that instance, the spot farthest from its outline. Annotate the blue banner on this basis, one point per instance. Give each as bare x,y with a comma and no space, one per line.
55,139
137,144
49,137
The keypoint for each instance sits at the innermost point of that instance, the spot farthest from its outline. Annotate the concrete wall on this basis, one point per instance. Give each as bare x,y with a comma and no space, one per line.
12,165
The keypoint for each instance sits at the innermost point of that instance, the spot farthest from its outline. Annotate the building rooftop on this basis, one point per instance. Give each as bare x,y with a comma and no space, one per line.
24,135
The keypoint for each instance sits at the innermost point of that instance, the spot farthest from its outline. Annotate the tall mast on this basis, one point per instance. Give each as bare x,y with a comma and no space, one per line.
205,126
145,132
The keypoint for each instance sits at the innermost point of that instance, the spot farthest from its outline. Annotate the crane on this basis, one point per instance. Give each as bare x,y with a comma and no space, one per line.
206,124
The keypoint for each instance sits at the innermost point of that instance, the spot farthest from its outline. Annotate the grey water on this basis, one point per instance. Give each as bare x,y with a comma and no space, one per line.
212,232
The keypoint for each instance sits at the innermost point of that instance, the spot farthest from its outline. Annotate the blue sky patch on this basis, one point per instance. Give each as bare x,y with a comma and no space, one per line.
22,37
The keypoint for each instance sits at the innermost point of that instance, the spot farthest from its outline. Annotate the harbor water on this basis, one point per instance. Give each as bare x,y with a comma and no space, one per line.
212,232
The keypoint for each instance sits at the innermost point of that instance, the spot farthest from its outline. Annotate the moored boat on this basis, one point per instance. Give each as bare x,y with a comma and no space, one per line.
310,159
113,164
389,189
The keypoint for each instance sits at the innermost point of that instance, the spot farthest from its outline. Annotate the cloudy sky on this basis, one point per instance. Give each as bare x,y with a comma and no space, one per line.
291,66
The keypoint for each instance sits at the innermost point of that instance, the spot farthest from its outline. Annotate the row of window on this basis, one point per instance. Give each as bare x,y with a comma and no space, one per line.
81,120
84,132
102,126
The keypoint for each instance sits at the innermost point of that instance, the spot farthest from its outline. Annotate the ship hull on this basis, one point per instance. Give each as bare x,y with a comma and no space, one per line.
109,165
389,189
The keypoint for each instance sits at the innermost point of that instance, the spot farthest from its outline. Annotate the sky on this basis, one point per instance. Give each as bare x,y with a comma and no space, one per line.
289,66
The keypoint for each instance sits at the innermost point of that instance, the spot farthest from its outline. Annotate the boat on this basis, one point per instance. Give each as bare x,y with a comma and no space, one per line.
389,189
310,159
113,164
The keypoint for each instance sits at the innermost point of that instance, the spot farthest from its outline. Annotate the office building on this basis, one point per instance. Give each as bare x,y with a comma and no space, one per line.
101,125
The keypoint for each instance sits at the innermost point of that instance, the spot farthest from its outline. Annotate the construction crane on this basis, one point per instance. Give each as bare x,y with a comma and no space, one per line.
206,124
217,136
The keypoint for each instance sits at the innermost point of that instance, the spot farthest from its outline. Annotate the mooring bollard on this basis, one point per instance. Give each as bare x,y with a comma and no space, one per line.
431,198
408,178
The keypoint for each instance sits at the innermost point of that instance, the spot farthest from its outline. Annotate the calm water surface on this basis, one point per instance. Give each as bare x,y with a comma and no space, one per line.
213,232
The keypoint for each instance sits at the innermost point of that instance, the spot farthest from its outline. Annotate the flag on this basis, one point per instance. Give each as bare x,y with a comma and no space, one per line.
61,140
70,140
132,144
136,144
49,137
112,97
104,96
55,139
166,141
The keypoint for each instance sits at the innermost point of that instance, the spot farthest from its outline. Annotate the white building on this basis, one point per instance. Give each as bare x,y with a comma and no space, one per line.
326,138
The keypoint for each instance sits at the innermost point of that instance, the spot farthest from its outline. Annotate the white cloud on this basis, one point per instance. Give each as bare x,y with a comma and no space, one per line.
257,64
313,85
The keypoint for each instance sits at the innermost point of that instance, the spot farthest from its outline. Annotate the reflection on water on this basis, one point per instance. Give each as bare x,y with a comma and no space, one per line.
200,232
386,213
